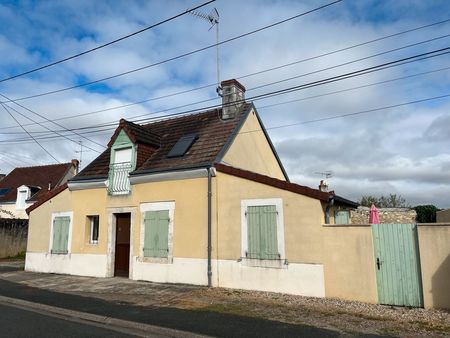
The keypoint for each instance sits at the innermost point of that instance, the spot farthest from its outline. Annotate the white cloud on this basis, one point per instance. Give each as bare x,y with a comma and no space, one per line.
402,150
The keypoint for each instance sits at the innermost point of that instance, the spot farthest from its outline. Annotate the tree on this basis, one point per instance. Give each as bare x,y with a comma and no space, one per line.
390,201
426,213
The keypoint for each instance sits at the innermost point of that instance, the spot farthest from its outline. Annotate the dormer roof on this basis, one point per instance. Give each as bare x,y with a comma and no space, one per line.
212,135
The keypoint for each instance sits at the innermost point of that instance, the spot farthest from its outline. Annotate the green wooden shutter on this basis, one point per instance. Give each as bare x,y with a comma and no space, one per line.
60,235
262,232
341,217
156,233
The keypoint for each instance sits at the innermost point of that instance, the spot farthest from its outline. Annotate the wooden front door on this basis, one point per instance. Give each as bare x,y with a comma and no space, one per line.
122,256
397,264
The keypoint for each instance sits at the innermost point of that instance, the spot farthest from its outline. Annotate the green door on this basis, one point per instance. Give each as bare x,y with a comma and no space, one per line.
397,264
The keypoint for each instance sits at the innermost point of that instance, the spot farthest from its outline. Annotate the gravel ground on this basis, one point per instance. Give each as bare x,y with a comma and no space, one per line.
348,317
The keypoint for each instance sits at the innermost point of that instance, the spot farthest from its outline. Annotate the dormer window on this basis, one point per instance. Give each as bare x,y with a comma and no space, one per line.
122,162
23,193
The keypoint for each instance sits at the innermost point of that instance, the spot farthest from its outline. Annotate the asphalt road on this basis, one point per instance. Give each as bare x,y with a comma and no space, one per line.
15,322
195,321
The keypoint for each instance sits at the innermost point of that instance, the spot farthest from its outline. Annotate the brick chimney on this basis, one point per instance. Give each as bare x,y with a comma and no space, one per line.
323,186
232,91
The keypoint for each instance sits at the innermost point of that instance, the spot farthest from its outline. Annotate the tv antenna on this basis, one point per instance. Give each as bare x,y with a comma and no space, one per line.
213,19
326,174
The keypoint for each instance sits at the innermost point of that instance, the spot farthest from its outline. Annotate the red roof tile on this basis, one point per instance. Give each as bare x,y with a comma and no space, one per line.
46,196
38,176
213,133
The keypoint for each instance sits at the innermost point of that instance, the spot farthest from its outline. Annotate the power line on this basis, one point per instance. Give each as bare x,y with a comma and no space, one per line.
55,123
268,84
40,145
179,56
354,88
287,102
350,114
55,132
270,69
105,44
386,65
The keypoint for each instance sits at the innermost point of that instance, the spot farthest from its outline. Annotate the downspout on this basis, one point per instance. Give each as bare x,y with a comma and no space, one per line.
209,228
327,210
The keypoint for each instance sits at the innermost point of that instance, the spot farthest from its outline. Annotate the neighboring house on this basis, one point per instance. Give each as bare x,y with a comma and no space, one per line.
24,186
2,176
198,199
443,216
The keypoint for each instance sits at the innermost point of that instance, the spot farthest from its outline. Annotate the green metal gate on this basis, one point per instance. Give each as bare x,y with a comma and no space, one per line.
397,264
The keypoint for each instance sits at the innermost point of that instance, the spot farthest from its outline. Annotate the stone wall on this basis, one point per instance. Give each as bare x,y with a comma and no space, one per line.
13,236
443,216
387,215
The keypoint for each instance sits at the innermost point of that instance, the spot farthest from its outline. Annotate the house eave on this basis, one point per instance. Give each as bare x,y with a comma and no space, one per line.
173,175
87,184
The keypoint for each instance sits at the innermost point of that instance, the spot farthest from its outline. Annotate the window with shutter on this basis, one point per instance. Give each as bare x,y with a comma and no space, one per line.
262,232
60,242
341,217
156,234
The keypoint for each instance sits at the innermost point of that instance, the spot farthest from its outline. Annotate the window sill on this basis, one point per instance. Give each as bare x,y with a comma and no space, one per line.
265,263
157,260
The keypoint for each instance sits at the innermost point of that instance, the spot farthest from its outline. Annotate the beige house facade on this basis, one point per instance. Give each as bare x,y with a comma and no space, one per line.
203,200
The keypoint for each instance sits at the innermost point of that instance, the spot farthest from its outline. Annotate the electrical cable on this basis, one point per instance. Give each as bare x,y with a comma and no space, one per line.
179,56
40,145
263,85
105,44
386,65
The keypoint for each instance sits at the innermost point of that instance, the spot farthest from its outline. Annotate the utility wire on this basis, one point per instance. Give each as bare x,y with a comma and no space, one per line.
354,88
53,131
179,56
271,69
55,123
415,58
263,85
284,102
350,114
105,44
40,145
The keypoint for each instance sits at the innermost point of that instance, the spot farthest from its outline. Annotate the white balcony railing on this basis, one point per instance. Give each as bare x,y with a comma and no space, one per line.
119,182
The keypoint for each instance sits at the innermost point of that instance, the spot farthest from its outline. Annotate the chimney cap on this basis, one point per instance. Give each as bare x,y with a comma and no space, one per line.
232,82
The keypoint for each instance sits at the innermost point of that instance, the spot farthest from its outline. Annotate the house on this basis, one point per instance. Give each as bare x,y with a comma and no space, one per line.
199,199
24,186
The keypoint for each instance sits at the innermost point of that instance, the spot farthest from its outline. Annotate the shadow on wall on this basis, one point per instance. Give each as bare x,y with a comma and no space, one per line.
440,285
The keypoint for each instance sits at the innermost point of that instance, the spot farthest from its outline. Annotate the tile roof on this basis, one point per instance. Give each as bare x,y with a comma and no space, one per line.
45,196
213,134
274,182
38,176
293,187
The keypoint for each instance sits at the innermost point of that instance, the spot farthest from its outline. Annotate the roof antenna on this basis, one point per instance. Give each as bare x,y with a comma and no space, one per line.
213,19
326,174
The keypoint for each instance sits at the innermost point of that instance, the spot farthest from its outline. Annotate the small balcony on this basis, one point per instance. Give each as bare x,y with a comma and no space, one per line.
119,182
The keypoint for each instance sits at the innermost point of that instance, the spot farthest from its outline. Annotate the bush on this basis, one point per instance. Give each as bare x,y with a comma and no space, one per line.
426,213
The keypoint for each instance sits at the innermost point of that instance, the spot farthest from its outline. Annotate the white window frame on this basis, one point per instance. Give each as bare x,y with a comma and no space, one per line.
69,240
157,206
278,203
91,232
21,205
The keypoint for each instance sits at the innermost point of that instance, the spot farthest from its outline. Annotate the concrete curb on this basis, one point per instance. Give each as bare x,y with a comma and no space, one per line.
114,324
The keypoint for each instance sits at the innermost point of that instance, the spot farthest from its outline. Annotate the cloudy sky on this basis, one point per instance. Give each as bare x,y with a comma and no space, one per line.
403,149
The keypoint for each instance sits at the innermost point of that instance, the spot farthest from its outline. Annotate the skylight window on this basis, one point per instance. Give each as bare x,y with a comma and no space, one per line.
183,145
4,191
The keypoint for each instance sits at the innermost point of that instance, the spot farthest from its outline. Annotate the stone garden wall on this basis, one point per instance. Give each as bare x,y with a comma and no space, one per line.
387,215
